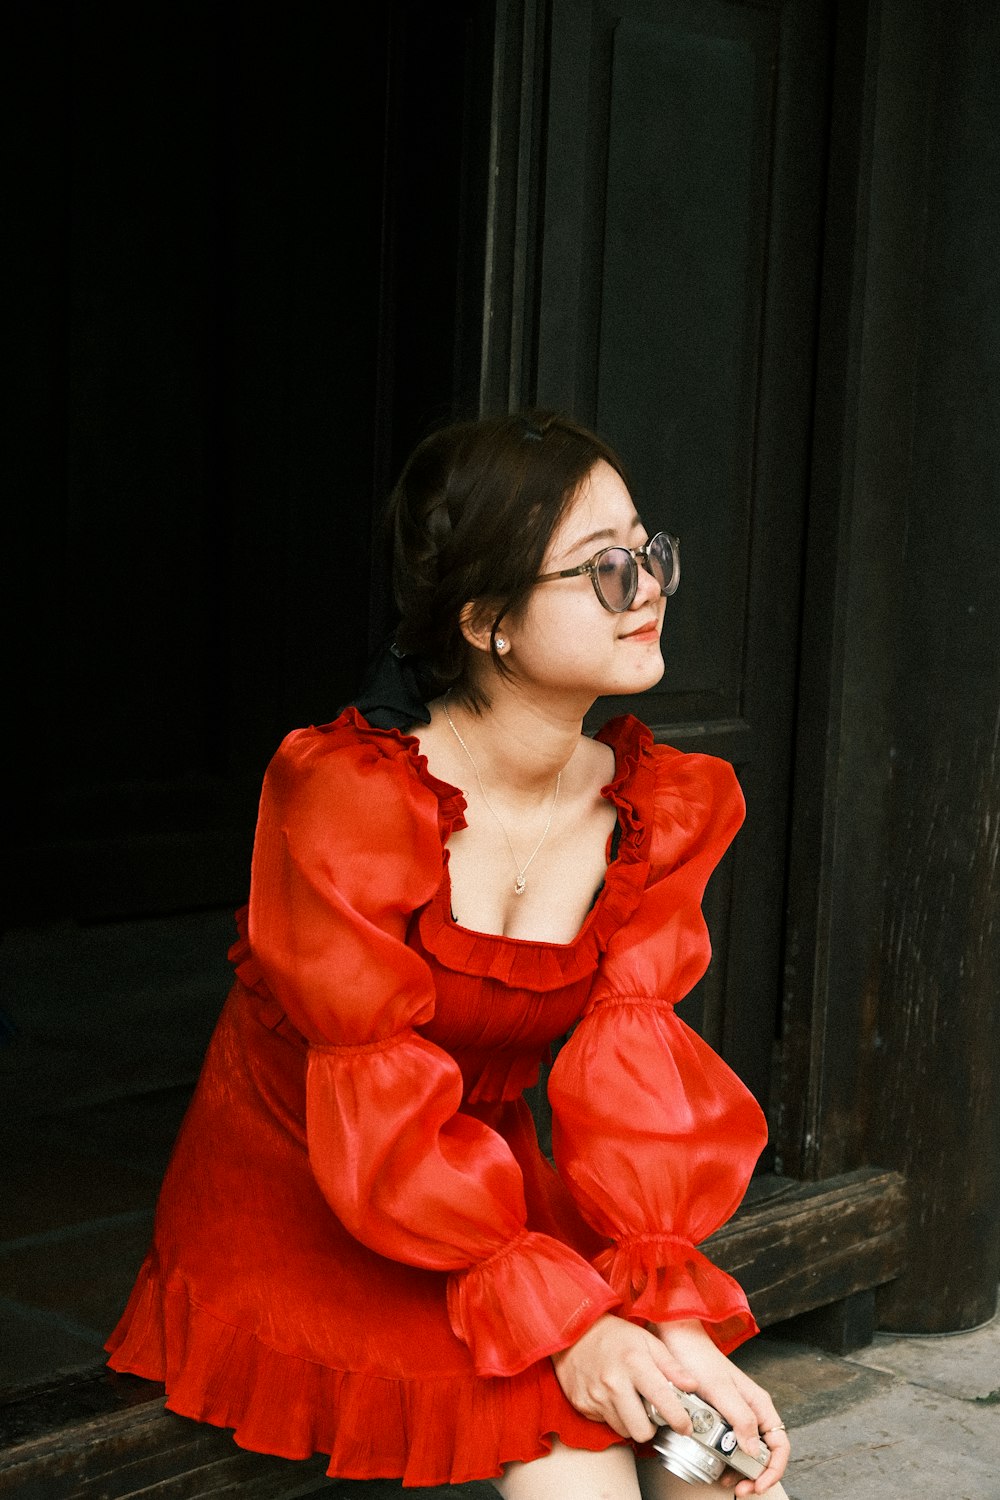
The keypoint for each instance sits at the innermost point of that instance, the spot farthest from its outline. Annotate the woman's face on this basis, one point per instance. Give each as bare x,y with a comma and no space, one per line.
564,641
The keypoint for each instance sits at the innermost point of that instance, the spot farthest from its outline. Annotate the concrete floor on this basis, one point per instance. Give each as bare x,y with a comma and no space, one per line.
107,1026
905,1417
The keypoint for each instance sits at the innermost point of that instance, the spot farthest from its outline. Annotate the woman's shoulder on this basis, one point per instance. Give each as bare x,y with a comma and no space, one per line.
680,797
348,743
348,766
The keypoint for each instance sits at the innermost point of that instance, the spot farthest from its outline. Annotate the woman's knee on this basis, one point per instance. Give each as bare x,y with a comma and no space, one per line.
656,1483
608,1475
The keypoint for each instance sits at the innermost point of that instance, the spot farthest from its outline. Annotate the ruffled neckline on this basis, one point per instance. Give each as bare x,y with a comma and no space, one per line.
538,965
520,962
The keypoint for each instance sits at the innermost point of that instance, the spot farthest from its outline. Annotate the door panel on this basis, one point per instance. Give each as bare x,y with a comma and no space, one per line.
678,353
683,191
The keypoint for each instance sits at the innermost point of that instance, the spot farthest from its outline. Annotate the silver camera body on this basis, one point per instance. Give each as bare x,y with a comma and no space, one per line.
703,1457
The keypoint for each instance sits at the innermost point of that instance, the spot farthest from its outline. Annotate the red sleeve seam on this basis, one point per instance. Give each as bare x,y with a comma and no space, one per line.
654,1239
482,1265
358,1049
649,1002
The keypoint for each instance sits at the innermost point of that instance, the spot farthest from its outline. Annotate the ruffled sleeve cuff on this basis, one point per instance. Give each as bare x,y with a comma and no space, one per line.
663,1278
533,1297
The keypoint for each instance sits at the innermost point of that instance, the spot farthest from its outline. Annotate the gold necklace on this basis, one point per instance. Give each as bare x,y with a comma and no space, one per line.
522,870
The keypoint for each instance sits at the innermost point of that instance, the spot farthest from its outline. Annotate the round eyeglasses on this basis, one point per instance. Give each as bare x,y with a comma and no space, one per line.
614,571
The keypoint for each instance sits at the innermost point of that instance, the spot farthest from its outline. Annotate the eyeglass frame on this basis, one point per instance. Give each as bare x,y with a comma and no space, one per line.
591,565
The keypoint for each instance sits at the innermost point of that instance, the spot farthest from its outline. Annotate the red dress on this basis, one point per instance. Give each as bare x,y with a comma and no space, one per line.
359,1249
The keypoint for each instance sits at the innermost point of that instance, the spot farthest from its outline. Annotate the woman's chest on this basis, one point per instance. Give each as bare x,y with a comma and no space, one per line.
530,889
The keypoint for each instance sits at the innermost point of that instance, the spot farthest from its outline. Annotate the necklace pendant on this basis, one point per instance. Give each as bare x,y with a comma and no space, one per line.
519,886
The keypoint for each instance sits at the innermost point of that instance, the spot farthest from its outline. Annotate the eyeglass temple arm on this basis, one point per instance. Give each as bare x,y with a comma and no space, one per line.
587,567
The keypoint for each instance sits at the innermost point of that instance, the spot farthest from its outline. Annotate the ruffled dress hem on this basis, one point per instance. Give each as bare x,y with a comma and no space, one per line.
290,1407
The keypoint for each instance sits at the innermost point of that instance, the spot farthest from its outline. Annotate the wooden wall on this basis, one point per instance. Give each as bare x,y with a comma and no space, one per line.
892,1035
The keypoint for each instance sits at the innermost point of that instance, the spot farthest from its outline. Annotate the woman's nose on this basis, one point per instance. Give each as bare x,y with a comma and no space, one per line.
647,588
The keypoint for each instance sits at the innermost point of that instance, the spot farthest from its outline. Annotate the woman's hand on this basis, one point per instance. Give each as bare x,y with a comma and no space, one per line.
612,1367
745,1405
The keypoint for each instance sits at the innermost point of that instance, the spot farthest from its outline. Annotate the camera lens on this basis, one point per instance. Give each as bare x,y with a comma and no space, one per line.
687,1459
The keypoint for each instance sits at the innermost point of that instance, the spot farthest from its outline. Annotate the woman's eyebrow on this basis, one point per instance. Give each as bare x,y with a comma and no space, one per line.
608,534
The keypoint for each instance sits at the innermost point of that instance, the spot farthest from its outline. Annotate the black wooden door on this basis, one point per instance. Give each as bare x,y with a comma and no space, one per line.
682,185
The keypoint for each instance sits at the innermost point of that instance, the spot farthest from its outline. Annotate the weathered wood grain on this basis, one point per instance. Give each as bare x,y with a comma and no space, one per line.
815,1243
146,1450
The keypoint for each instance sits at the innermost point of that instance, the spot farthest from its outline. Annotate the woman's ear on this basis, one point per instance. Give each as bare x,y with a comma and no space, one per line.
476,623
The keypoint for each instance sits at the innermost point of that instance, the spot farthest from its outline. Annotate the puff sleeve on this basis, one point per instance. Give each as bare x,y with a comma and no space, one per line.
653,1133
348,847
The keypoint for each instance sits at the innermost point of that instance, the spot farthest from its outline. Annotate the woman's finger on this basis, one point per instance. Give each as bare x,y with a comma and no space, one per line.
780,1449
722,1393
772,1431
666,1406
649,1400
633,1411
775,1439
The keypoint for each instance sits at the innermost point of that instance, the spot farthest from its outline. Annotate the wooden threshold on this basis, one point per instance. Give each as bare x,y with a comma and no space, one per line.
798,1246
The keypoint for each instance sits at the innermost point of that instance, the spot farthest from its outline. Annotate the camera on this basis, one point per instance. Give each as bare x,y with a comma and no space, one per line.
702,1458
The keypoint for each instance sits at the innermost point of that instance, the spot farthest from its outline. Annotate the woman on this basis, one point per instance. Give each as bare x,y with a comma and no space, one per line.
359,1248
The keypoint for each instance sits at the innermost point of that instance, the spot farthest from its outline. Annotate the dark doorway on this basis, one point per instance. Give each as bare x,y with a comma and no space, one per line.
244,267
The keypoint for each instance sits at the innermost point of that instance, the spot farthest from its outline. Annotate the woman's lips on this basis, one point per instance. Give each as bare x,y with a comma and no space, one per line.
650,632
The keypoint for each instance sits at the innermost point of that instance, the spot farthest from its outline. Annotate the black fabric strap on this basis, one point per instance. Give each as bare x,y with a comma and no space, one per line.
395,691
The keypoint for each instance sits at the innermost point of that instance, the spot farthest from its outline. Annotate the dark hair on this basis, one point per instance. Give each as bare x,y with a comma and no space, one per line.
470,520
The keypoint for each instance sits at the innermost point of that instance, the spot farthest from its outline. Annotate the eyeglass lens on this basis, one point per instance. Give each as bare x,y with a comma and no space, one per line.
617,574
